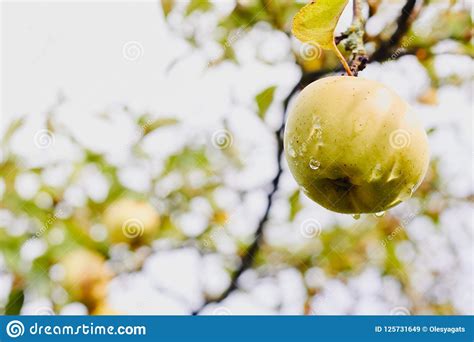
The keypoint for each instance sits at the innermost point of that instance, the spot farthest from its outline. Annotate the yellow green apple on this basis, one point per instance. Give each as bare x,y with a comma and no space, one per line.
129,220
86,275
354,146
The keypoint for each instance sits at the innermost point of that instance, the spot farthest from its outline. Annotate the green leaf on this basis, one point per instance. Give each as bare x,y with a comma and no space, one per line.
186,160
198,5
15,302
315,23
264,99
149,126
295,204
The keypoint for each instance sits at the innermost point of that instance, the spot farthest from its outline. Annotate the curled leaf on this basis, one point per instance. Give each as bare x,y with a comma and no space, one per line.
315,23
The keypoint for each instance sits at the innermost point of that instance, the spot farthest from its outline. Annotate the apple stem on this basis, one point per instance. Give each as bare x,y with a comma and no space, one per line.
343,61
353,39
356,9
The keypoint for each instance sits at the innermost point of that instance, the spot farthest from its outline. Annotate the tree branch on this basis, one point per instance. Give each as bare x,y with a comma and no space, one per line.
403,24
354,40
253,249
340,37
248,258
359,57
356,8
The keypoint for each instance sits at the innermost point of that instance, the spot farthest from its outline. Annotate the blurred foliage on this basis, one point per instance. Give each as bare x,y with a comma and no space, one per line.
452,23
264,99
79,240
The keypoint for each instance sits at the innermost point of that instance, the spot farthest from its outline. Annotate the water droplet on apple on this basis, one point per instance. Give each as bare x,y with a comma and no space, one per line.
379,214
314,164
317,122
316,134
292,152
395,173
378,169
376,172
356,216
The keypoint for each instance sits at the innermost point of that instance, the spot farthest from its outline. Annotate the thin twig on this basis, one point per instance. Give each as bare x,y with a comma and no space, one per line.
403,24
354,41
249,256
343,61
359,57
341,37
356,8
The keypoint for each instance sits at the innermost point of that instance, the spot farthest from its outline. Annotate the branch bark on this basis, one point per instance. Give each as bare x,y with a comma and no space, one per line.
359,58
403,24
248,258
379,55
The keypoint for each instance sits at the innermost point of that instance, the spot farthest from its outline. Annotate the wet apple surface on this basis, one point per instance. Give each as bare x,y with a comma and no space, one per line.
354,146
